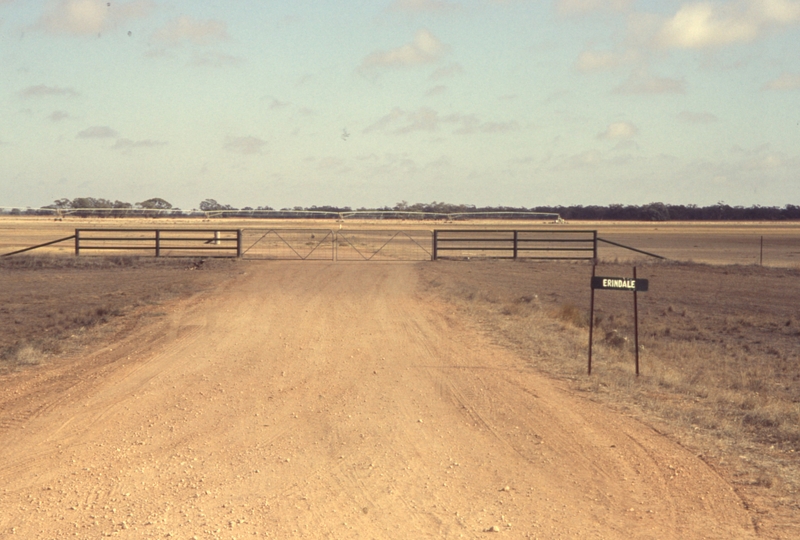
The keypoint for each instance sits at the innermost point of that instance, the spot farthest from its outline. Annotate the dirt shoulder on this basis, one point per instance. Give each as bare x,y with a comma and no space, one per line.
718,357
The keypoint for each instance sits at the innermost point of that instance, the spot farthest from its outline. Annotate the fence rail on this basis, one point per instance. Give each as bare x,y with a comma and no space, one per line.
161,242
515,244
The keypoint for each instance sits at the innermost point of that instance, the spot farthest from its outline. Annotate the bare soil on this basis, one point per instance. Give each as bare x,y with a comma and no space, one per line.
326,401
147,398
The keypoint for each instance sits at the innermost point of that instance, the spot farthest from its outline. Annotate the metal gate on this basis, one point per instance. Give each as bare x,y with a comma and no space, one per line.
327,245
375,245
288,244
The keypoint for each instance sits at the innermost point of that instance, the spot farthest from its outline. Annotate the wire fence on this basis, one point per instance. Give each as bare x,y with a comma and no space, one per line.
384,245
288,244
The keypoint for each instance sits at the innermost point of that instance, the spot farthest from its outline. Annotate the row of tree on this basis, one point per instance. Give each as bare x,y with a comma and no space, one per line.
403,210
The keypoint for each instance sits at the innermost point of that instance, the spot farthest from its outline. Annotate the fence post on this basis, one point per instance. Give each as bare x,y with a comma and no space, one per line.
77,242
636,324
591,318
434,254
158,243
239,243
594,246
515,243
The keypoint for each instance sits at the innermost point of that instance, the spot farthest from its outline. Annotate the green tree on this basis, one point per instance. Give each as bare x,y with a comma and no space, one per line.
154,204
60,204
210,205
91,202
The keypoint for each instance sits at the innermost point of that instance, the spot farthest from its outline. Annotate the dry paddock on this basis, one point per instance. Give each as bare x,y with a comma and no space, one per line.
416,400
773,244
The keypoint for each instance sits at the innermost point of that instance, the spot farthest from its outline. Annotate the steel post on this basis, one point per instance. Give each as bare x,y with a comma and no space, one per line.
636,324
591,321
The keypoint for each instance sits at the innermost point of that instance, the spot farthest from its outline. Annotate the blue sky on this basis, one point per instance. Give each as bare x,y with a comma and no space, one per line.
367,103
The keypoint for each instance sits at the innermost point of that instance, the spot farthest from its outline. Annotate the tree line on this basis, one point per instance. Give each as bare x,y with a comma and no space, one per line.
86,206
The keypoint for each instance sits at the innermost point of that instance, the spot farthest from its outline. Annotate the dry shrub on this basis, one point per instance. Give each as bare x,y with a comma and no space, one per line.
27,355
614,339
523,306
573,315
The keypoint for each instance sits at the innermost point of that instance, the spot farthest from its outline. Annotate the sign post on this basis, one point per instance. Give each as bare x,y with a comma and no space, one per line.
617,284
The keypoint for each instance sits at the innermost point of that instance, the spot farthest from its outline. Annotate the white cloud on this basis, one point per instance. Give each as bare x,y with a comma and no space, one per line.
276,104
589,61
423,6
423,119
126,145
588,158
401,122
188,29
619,131
424,49
581,7
42,90
447,72
436,90
710,24
245,145
215,59
97,132
498,127
333,165
57,116
763,158
697,117
642,83
86,17
787,81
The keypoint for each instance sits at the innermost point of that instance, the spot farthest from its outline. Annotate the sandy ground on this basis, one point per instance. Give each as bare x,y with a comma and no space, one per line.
703,242
333,401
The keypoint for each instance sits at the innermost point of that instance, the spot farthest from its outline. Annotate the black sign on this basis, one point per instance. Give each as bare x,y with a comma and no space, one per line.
619,284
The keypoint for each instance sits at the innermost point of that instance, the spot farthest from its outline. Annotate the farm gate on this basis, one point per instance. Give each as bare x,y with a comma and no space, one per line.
515,244
341,245
349,245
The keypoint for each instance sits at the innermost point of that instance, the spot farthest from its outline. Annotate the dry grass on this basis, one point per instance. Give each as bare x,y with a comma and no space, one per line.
49,262
26,355
51,304
719,371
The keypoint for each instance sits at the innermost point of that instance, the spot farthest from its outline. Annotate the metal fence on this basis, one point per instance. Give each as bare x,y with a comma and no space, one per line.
160,242
376,245
347,245
515,244
289,244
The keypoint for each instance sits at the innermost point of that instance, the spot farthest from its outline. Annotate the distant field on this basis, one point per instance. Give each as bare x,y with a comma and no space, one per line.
712,243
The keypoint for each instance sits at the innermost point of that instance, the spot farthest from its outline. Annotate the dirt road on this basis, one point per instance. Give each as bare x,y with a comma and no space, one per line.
333,401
